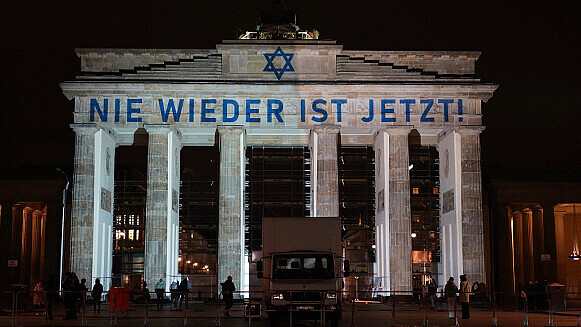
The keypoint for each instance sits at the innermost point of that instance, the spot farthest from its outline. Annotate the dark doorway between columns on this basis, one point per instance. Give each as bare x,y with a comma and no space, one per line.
425,210
129,216
198,232
357,211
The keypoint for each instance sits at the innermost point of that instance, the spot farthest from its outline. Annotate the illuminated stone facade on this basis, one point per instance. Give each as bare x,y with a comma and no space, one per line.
267,92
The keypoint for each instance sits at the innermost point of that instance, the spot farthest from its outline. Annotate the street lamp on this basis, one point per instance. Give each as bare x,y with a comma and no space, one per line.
65,192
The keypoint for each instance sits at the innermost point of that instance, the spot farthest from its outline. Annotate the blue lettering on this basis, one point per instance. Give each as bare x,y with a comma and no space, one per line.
276,112
319,110
339,102
249,110
206,110
171,106
407,103
117,109
370,117
131,111
102,114
385,110
424,118
302,110
191,111
445,102
460,111
225,104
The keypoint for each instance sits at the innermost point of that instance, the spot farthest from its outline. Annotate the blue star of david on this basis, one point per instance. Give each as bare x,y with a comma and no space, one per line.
278,72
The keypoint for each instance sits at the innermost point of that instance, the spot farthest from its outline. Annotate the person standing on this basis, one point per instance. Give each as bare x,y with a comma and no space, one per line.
83,289
450,291
464,296
96,295
184,292
228,289
39,298
432,287
159,289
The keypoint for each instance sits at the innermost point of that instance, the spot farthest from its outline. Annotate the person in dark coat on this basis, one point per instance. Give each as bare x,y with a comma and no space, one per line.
68,296
83,289
159,290
51,287
228,289
184,290
450,291
464,296
96,293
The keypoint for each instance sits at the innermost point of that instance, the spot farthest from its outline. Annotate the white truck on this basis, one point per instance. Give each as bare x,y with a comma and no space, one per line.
301,269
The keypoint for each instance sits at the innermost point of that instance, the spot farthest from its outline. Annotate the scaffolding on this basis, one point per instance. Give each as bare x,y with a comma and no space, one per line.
277,185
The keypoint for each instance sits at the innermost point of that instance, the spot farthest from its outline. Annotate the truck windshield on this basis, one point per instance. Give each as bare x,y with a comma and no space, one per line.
303,266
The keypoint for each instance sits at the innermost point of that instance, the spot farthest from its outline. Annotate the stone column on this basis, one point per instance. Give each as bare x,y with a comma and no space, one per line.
527,232
325,171
451,264
27,241
518,248
539,242
472,217
162,207
393,212
232,145
92,203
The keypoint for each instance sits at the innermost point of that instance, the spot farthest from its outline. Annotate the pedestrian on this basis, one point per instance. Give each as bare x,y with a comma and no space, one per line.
173,289
228,289
75,295
51,295
464,296
432,287
83,289
450,291
184,290
68,296
39,298
159,289
146,294
96,295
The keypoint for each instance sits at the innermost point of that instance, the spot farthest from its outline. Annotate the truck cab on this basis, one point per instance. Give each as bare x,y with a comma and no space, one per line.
301,269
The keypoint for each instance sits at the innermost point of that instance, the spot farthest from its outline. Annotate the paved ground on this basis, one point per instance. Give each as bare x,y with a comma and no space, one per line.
365,315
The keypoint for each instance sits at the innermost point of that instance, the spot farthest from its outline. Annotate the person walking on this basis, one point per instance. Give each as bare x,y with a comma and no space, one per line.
464,296
96,293
159,290
450,291
83,289
173,288
228,289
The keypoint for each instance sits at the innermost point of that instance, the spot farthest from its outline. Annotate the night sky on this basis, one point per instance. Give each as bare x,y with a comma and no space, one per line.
529,49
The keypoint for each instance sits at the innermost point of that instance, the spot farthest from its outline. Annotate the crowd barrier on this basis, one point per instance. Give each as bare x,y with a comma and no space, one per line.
392,308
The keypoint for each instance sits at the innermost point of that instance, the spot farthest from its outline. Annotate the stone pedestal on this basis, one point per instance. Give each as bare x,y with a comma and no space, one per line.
162,206
324,176
472,217
231,205
393,212
92,203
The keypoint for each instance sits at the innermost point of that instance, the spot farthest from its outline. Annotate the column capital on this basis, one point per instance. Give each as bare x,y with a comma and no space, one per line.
470,130
85,128
397,129
327,128
231,129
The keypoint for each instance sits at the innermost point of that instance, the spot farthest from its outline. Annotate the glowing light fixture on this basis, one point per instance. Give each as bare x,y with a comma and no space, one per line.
414,235
180,259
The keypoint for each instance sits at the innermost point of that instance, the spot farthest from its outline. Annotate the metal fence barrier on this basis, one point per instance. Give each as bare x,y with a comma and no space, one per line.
393,308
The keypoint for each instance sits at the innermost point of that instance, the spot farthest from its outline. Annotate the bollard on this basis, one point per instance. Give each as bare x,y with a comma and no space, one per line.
186,311
550,322
146,316
393,313
353,313
525,313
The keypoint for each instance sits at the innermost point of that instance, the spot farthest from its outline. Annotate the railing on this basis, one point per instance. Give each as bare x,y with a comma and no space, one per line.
385,309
